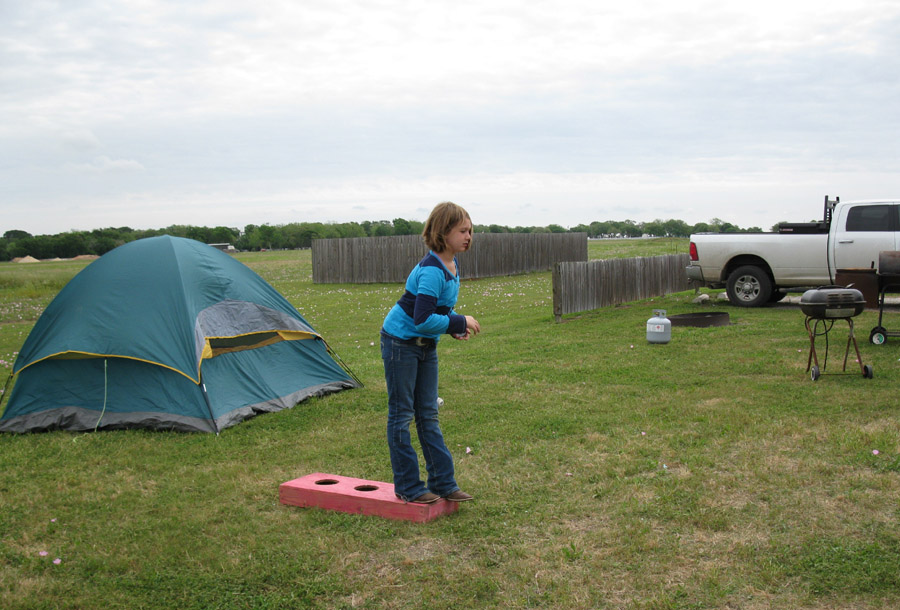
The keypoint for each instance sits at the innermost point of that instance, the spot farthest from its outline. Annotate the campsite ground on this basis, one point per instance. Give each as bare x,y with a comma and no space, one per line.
710,472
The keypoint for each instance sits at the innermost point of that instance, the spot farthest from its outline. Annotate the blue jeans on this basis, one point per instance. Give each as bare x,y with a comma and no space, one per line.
411,373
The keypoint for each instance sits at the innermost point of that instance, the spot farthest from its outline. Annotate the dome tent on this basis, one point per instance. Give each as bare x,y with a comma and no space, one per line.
166,333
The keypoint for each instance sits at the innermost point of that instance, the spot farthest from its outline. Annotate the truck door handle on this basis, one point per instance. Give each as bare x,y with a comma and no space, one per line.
845,241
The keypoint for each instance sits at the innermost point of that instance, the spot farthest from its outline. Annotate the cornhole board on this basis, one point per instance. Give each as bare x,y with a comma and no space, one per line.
358,496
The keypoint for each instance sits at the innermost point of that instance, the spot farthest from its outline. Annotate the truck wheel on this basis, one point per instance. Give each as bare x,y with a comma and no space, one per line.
748,286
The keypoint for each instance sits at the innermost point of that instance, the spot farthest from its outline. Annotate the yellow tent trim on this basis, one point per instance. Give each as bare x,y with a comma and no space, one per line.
76,355
210,349
213,346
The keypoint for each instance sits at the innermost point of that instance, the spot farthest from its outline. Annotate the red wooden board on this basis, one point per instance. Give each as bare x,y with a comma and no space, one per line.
358,496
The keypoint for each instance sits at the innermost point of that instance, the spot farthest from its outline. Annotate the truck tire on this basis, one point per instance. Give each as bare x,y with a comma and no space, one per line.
748,286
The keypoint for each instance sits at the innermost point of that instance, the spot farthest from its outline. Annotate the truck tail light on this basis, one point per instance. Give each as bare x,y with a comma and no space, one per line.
694,256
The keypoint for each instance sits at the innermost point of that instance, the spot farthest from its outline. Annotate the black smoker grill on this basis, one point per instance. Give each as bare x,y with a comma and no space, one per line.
822,307
888,281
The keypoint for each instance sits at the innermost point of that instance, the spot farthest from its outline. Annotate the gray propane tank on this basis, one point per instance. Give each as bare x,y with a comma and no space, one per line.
659,327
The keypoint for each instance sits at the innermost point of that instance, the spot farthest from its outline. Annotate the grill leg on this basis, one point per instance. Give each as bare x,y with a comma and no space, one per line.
812,346
852,337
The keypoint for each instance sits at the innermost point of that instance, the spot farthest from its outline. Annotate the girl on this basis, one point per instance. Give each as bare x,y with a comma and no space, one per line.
409,339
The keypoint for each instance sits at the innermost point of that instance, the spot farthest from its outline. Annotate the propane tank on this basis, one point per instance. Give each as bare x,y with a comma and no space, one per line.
659,327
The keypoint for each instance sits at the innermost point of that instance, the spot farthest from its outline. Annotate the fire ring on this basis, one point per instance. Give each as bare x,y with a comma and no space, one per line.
701,320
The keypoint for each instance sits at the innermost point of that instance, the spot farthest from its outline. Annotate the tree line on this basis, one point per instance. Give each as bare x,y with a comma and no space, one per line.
18,244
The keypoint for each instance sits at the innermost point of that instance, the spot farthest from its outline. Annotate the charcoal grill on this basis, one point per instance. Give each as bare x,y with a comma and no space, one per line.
823,307
888,281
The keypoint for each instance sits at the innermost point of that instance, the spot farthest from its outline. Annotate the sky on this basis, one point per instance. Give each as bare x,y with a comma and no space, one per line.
149,113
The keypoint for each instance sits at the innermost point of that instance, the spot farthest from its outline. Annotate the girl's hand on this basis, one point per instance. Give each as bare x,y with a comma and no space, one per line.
472,326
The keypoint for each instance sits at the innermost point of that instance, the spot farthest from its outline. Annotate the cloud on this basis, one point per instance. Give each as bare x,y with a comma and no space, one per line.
533,113
104,164
80,140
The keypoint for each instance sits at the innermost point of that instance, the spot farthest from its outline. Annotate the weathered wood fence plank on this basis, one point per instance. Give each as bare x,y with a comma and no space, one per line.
581,286
367,260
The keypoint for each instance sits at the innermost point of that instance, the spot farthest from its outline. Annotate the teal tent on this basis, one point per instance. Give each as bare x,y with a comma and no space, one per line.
166,333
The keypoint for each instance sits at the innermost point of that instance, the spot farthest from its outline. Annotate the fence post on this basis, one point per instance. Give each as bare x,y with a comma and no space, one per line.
557,283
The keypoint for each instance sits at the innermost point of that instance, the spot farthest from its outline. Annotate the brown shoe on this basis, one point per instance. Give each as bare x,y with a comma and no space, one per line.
459,496
426,498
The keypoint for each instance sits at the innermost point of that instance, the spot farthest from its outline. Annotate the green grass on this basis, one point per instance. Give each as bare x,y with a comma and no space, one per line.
709,472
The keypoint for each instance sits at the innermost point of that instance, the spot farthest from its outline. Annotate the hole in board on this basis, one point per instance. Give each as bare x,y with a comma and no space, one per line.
326,482
366,487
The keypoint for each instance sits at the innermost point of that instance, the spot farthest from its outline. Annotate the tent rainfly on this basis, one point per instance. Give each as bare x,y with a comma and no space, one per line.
166,333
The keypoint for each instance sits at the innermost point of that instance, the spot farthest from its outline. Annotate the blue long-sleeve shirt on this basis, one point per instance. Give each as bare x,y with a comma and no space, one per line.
426,308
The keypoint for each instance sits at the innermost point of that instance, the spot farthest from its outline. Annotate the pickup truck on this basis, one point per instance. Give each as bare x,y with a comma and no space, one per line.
760,268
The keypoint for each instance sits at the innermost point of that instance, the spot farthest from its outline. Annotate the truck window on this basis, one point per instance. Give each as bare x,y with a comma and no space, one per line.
870,218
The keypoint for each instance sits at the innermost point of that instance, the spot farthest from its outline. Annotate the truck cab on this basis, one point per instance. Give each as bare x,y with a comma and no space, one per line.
861,231
759,268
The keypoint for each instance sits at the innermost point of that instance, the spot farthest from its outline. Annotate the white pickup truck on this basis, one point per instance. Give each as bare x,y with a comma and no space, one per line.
760,268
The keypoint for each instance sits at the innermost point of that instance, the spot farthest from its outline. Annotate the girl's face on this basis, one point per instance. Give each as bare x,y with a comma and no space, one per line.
460,237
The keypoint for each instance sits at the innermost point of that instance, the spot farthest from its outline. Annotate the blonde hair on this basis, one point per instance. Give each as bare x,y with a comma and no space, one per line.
442,219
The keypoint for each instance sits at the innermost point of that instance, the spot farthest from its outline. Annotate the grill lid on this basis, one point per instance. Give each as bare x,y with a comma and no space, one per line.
832,302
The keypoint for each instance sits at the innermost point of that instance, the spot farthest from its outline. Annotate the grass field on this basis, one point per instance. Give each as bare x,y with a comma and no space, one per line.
709,472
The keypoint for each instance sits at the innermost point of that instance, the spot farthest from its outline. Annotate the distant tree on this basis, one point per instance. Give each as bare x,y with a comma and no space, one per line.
655,228
269,236
16,242
100,244
222,235
382,228
401,226
582,228
676,228
629,228
601,229
177,230
307,235
291,235
16,234
201,234
243,240
41,247
353,229
70,245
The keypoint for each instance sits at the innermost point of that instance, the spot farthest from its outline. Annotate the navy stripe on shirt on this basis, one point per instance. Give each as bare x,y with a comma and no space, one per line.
434,261
426,305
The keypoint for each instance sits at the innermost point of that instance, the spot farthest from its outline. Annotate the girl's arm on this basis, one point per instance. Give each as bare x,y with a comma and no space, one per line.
428,318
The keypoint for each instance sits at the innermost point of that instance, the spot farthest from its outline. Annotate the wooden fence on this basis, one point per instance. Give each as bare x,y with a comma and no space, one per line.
367,260
581,286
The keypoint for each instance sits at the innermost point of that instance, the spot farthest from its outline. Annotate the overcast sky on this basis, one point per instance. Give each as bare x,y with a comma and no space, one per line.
148,113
